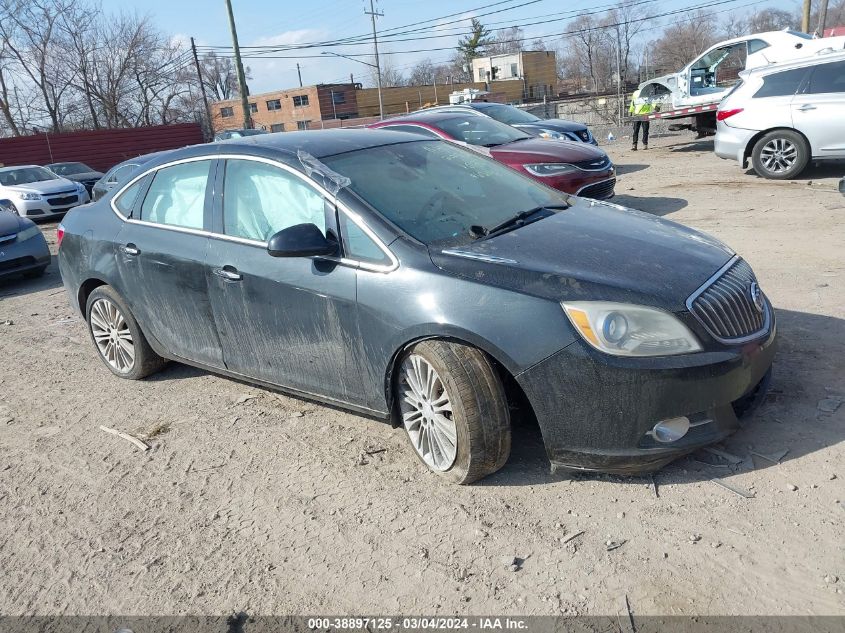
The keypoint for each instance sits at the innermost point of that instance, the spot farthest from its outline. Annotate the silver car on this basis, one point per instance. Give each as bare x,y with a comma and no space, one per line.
784,116
38,192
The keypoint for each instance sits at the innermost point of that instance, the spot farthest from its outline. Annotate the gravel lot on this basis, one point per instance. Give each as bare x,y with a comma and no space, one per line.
252,501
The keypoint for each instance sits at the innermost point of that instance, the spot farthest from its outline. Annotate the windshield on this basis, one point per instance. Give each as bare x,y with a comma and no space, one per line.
25,175
479,130
436,192
803,36
508,114
65,169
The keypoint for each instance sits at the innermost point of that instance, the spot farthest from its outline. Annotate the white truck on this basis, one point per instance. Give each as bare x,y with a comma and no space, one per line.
696,90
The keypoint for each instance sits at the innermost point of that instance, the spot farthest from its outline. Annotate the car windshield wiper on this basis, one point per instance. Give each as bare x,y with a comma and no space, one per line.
520,219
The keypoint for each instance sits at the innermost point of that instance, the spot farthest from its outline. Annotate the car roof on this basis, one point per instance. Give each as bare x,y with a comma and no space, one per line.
318,143
804,62
12,167
433,116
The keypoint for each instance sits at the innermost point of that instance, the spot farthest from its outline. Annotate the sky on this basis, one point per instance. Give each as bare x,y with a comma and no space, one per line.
266,22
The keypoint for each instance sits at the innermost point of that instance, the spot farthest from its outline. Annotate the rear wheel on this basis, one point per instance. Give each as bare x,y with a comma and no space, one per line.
119,341
780,155
454,410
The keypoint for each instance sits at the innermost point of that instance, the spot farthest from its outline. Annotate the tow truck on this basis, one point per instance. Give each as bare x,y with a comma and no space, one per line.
696,91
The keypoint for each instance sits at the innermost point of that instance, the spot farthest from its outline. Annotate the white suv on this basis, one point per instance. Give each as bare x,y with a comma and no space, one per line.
784,116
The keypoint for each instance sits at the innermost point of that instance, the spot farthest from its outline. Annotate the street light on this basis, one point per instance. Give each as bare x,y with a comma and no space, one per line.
380,103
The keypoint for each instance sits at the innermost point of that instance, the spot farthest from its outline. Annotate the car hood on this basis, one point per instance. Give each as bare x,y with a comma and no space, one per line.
9,223
594,251
557,125
88,175
536,150
45,187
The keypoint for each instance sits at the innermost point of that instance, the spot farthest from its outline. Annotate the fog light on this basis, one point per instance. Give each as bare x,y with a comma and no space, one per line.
670,430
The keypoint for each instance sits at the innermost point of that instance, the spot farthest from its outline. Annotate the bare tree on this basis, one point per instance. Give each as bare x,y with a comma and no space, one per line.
505,41
682,42
31,32
220,77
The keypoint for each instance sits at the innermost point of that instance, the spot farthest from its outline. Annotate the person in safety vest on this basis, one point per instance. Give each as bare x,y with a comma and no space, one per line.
641,106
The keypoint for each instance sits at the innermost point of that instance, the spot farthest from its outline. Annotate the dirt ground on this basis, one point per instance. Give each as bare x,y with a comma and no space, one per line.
252,501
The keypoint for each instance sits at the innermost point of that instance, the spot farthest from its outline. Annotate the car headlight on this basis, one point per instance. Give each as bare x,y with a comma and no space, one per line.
551,134
550,169
624,329
80,187
26,195
28,233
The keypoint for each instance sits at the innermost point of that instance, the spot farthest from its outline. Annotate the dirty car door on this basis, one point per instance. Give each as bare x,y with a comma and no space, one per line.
161,258
289,321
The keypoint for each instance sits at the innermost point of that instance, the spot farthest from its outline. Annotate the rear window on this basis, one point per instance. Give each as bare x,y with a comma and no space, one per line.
781,84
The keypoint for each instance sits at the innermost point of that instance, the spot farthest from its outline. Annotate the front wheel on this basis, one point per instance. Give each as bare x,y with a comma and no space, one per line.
120,343
454,410
780,155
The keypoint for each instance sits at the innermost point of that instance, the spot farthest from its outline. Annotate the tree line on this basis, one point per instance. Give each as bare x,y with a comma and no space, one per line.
67,65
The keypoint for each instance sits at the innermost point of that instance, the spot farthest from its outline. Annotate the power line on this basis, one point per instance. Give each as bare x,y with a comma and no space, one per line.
562,34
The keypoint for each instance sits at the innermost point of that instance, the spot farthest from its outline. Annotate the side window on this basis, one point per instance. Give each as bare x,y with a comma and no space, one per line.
828,78
358,245
260,200
781,84
125,202
755,46
177,195
415,129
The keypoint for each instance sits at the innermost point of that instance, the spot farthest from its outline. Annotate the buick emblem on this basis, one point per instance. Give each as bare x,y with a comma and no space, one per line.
756,296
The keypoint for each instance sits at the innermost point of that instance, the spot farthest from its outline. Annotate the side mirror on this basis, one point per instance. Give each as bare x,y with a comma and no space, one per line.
300,240
842,186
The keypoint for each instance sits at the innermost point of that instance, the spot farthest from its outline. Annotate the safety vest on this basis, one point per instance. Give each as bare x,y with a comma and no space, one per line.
640,106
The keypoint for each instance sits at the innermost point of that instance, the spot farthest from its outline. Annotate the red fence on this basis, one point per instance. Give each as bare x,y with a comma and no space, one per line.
101,149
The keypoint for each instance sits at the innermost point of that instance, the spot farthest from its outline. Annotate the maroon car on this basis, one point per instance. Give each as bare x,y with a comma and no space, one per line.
571,167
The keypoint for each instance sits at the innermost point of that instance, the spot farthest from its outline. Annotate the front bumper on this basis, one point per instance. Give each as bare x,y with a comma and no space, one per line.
43,209
21,257
595,410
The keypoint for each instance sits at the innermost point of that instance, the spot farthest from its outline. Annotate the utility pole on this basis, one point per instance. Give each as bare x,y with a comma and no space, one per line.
202,87
805,16
299,73
239,67
373,13
822,16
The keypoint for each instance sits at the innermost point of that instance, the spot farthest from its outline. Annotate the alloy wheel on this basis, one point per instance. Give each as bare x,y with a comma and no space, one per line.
779,155
427,413
112,335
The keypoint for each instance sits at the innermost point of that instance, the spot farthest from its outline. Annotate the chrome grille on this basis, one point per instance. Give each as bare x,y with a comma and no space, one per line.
599,191
725,305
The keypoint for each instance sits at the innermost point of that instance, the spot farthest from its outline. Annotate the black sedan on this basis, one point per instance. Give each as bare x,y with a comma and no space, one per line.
429,285
78,172
23,249
560,129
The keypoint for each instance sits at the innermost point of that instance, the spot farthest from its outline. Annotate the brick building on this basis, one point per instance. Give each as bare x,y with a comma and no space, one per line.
292,109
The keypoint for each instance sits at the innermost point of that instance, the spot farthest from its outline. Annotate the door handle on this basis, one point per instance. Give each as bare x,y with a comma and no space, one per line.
228,273
130,249
806,107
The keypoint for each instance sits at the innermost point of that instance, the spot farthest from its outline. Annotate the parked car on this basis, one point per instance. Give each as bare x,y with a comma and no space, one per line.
23,249
785,115
225,135
715,71
78,172
38,192
120,173
560,129
426,284
577,168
